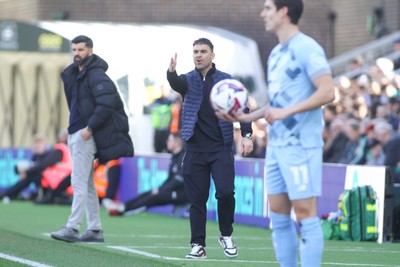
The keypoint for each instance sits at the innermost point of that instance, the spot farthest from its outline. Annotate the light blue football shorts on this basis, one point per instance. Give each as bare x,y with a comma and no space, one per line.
294,170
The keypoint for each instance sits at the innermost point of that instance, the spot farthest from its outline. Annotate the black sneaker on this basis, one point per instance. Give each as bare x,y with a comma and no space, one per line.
197,252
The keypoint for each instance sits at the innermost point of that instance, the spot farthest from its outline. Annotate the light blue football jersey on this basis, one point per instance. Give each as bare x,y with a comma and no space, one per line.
292,67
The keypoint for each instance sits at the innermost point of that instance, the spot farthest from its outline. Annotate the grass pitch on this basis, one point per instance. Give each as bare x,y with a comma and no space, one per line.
149,239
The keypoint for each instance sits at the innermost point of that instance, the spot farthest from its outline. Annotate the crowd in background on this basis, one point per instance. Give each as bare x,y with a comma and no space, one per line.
365,111
362,124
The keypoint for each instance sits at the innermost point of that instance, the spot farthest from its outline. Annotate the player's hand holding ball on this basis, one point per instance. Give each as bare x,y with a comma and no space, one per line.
229,99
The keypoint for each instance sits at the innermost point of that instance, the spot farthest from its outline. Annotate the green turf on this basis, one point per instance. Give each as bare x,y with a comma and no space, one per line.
25,228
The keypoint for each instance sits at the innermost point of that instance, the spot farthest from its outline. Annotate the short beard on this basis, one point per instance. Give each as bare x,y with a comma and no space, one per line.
81,61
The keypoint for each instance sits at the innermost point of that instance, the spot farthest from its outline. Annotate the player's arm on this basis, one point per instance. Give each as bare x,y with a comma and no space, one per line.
324,94
52,157
243,117
177,83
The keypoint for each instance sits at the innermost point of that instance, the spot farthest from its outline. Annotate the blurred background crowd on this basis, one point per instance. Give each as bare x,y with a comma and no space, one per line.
362,124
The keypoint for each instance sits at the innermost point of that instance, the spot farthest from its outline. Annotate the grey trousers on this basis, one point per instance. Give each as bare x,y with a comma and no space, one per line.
85,197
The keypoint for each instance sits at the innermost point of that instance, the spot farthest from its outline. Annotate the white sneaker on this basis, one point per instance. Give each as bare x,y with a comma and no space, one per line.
6,200
228,245
197,252
110,204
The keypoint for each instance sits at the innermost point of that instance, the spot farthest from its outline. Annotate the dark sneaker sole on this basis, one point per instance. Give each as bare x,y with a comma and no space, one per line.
195,257
231,255
92,240
66,239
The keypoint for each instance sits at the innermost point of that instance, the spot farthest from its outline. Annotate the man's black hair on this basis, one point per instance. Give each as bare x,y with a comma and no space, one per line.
83,39
295,8
204,41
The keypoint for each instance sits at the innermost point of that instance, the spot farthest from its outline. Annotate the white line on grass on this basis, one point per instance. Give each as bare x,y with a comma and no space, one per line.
152,255
143,253
23,261
330,248
180,236
348,250
208,247
360,250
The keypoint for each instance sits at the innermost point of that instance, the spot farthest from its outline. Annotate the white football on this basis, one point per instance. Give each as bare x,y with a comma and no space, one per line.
229,95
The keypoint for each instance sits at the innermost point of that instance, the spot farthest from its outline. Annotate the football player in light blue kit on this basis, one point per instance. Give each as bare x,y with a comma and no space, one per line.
299,83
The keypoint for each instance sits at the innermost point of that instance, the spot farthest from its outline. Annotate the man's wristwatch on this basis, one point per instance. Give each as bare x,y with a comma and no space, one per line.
248,135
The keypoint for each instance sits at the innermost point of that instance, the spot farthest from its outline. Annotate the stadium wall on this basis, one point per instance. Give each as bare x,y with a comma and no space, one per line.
240,16
352,25
338,25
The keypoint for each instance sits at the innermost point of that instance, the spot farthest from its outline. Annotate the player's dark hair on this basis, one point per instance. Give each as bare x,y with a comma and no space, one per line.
295,8
204,41
83,39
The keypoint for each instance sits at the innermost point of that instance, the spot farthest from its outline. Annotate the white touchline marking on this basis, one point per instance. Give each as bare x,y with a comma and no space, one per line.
143,253
330,248
152,255
177,236
139,252
23,261
172,247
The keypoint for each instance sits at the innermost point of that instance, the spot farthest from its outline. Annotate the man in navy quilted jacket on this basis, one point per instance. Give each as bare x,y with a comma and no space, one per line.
208,148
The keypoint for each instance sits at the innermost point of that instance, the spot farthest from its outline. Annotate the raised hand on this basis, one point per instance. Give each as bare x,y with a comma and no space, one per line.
172,64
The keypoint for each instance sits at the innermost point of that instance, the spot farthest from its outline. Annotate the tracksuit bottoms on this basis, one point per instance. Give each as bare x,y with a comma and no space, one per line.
197,168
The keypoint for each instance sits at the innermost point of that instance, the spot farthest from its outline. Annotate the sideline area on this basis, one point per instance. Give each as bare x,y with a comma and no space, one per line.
150,239
145,172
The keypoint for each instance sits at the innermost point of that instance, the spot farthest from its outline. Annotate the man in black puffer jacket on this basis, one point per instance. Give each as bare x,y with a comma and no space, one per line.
98,128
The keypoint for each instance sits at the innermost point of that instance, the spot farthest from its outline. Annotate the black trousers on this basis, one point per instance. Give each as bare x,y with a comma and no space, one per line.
113,181
197,168
62,186
160,140
164,197
112,188
34,177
